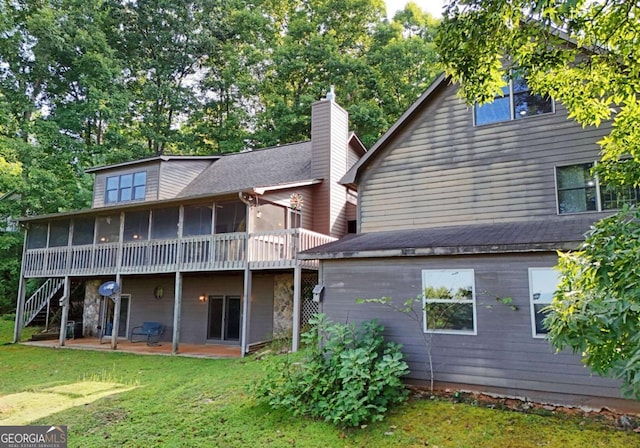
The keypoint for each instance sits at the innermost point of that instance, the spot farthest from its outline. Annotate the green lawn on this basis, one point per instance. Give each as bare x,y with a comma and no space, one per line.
113,399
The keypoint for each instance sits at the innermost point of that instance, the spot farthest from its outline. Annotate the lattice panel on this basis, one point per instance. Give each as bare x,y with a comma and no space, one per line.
309,307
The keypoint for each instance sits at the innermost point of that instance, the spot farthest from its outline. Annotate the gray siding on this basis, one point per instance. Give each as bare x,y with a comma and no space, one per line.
503,354
329,133
195,315
177,174
151,190
441,170
261,313
145,307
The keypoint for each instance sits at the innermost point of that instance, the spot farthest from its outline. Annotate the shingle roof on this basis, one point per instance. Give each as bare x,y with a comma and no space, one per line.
557,233
261,168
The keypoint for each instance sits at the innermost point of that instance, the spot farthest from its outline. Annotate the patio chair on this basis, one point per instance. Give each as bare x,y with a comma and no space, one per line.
149,332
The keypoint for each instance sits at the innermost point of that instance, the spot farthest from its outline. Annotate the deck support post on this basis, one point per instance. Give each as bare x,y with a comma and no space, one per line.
17,331
177,307
65,310
116,314
246,310
297,289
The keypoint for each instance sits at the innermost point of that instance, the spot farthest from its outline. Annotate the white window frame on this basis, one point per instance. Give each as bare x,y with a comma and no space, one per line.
426,281
535,276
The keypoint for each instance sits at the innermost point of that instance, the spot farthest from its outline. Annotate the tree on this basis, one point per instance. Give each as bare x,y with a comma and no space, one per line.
586,55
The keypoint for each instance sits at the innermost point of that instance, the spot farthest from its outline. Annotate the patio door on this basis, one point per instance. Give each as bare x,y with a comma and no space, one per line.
123,323
224,318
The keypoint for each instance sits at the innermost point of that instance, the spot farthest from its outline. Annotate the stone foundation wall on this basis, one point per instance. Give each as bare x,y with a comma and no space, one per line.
283,305
91,312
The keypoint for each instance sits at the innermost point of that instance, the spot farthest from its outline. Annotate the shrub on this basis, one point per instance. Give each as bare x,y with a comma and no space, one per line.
347,374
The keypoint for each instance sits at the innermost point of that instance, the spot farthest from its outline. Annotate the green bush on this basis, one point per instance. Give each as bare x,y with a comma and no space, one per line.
347,374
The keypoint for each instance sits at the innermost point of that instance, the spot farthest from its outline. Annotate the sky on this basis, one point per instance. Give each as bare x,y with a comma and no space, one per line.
432,6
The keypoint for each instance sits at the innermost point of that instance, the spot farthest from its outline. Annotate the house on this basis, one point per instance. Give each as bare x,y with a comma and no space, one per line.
470,204
204,246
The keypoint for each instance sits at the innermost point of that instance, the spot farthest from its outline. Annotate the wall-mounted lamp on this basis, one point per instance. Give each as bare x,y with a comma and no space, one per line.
158,292
202,298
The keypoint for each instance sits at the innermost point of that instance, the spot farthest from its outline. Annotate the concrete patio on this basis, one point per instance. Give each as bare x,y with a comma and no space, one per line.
214,351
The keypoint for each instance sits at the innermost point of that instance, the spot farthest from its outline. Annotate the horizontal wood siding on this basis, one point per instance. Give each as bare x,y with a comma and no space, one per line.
261,313
441,170
195,314
503,353
145,307
177,174
151,190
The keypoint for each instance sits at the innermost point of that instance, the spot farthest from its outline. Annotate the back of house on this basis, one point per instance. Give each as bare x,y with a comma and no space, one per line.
465,209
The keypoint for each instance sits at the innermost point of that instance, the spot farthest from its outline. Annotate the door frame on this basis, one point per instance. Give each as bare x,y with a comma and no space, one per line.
224,319
103,317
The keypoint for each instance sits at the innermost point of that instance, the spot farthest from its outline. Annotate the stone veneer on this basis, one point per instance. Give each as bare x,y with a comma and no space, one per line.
283,305
91,312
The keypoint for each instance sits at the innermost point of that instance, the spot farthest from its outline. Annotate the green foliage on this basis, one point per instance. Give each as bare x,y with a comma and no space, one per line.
10,252
596,310
348,375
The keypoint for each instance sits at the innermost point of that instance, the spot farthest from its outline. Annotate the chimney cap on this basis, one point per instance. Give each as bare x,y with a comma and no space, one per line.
331,95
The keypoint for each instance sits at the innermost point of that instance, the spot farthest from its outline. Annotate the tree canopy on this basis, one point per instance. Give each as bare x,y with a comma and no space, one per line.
585,54
89,83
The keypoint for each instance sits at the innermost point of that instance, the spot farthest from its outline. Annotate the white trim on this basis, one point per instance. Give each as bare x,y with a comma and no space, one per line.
532,288
473,332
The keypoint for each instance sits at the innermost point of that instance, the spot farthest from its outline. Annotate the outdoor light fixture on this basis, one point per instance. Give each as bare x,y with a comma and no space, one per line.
158,292
202,298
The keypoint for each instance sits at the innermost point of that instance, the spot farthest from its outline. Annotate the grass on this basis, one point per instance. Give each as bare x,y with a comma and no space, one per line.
184,402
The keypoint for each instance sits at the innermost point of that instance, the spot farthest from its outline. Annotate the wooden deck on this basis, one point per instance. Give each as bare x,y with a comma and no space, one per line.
212,351
228,251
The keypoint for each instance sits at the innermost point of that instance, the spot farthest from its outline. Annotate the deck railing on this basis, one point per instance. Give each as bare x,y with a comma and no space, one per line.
227,251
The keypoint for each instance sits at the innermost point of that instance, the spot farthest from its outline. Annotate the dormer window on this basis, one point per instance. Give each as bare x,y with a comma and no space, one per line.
126,187
516,102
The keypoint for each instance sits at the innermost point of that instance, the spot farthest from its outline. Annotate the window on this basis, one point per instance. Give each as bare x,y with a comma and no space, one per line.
197,220
449,301
108,229
579,191
83,229
126,187
231,217
136,225
268,217
516,102
59,233
543,283
37,236
164,222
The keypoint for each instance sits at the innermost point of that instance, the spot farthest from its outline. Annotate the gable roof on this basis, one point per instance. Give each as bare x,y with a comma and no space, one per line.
248,170
163,158
558,233
350,178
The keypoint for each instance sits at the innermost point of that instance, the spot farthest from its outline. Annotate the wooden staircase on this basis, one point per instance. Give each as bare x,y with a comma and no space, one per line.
40,299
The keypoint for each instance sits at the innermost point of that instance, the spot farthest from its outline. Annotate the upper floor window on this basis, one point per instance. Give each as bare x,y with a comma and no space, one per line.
579,191
516,102
126,187
449,301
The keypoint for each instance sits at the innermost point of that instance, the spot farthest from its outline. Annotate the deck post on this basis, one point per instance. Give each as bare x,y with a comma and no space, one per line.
297,287
116,314
65,311
177,307
246,309
17,331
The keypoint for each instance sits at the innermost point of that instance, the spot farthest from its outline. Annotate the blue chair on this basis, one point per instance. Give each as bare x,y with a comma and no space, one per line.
149,332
